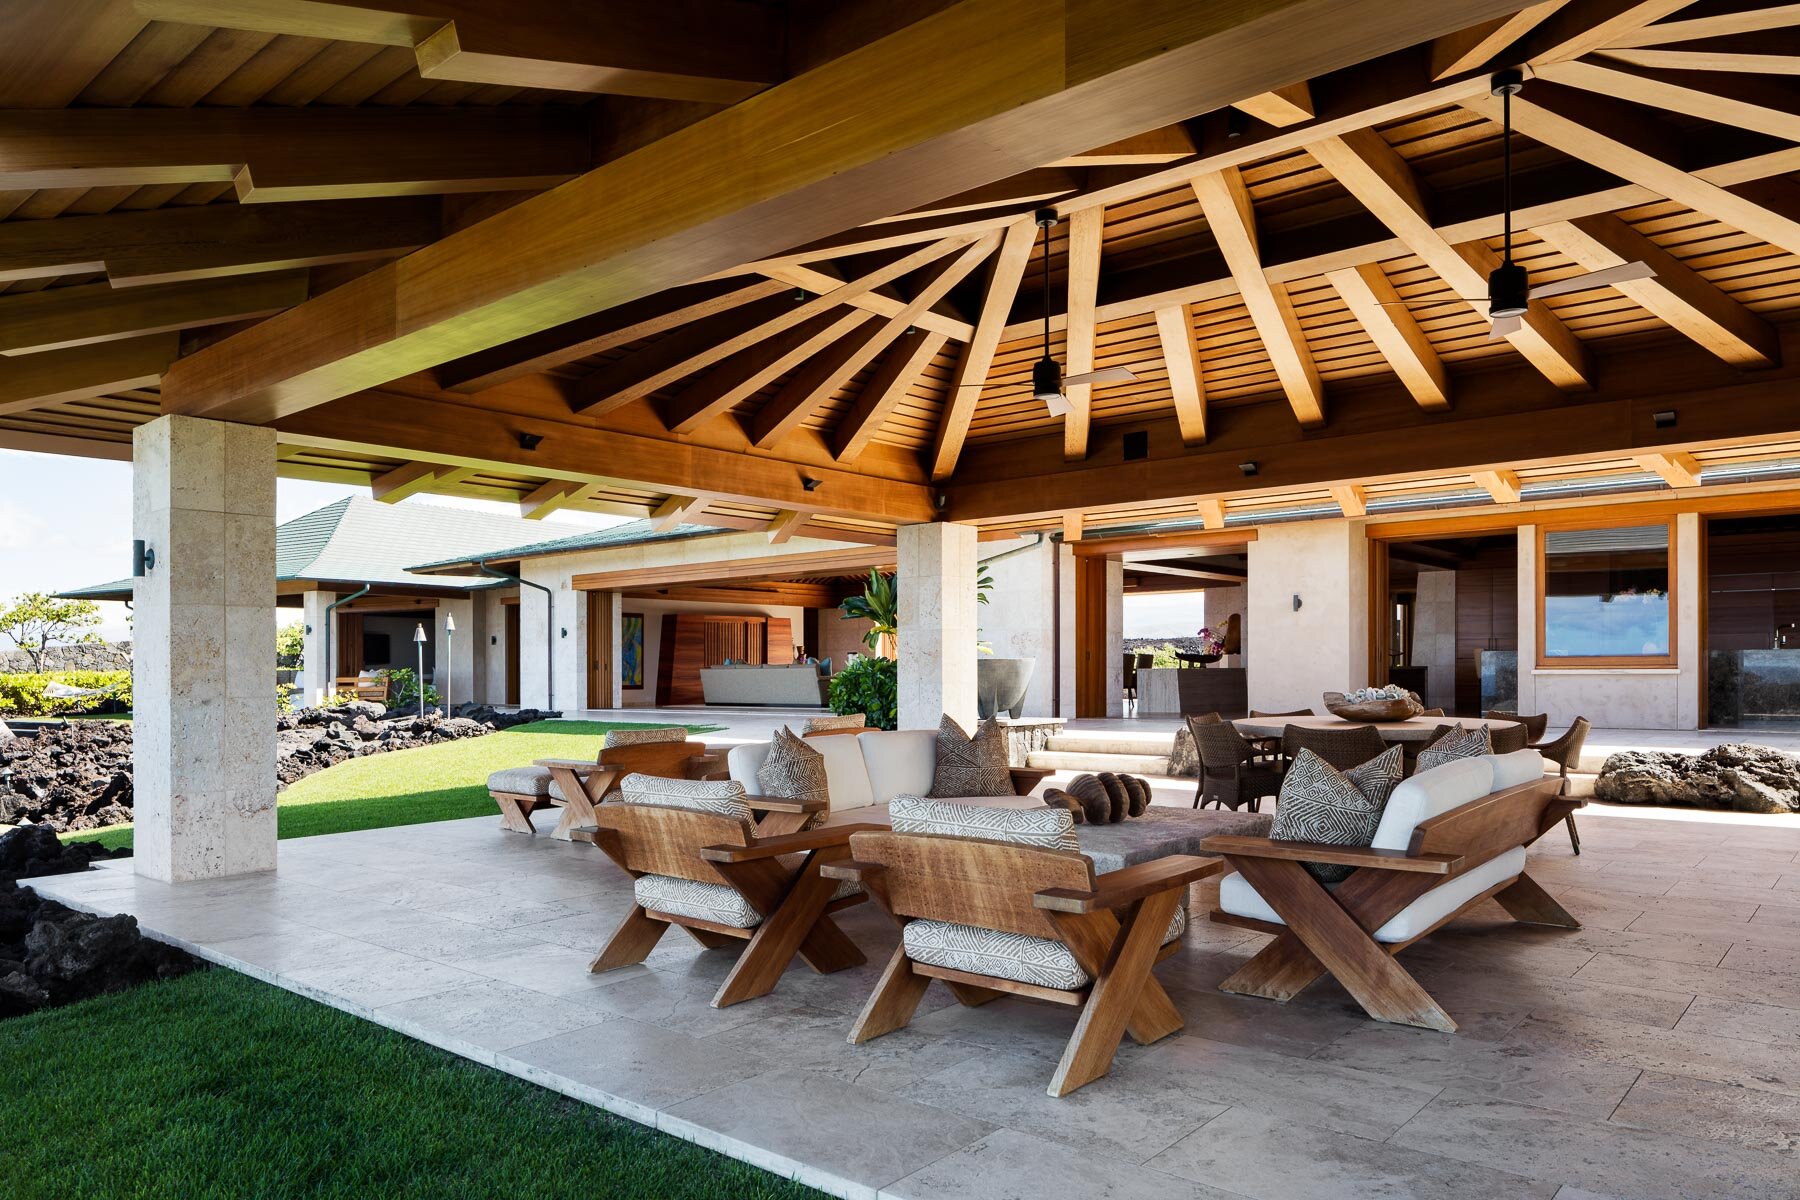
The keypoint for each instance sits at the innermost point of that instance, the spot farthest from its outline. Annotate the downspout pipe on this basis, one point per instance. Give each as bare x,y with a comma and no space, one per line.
549,625
330,626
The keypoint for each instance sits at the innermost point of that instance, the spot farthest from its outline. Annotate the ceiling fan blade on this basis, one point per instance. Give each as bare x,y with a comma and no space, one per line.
1623,273
1104,375
1504,327
1058,405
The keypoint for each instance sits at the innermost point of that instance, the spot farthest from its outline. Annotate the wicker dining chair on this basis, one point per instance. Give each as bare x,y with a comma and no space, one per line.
1230,775
1565,752
1535,723
1342,748
1508,738
1270,747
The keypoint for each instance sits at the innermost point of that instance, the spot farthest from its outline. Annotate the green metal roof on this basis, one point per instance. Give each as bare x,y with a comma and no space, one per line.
632,533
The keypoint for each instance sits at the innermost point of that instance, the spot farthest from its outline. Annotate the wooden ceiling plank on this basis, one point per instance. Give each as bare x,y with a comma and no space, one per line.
1473,48
1373,301
1747,102
1677,295
176,244
1502,485
749,371
629,380
1716,24
1086,229
77,316
786,524
50,50
1595,129
29,381
824,376
978,353
291,154
1678,468
1770,52
1381,181
950,101
1282,106
1232,218
1168,144
711,51
602,331
1582,26
899,369
1181,355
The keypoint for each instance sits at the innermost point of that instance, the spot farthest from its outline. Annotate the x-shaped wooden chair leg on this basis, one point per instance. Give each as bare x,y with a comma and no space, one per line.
1124,996
795,922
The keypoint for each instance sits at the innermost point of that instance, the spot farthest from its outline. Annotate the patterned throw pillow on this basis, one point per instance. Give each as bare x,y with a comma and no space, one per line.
833,724
1050,828
794,771
1319,803
646,736
1458,743
971,766
724,798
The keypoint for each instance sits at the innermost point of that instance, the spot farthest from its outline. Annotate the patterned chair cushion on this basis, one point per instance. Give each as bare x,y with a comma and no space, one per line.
971,766
643,737
1458,743
703,901
556,793
1050,828
1319,803
724,798
1016,956
827,724
521,781
795,771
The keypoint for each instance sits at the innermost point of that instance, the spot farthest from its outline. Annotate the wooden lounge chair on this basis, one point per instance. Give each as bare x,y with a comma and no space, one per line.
1450,838
373,688
991,917
577,785
696,861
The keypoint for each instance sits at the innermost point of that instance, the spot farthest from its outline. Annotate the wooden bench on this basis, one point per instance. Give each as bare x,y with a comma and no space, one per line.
373,688
580,785
1335,930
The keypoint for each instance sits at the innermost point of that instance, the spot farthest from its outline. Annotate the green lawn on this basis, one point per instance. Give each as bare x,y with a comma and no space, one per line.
215,1085
433,783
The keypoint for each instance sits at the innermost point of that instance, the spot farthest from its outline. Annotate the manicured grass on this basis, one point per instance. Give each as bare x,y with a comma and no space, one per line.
407,787
217,1086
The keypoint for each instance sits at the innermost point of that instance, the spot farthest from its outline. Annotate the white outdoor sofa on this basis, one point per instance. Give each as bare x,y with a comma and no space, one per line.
785,685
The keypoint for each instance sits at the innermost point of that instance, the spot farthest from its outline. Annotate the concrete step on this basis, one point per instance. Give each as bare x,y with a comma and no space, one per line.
1119,764
1100,742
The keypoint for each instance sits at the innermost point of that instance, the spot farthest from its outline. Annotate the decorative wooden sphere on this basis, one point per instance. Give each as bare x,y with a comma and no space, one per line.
1102,799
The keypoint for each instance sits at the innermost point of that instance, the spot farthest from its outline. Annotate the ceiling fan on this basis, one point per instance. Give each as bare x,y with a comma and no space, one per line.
1047,381
1509,288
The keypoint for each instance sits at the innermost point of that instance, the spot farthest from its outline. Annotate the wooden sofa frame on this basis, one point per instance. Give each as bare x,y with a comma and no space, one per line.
1113,925
1332,930
584,782
794,897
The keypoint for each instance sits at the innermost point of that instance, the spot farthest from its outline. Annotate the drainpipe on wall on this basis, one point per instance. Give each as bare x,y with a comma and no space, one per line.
330,627
549,626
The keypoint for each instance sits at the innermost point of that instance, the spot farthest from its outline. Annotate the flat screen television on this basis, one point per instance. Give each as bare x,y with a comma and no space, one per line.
377,649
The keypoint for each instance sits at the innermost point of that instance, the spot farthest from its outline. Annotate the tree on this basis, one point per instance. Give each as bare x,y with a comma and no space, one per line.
36,620
290,645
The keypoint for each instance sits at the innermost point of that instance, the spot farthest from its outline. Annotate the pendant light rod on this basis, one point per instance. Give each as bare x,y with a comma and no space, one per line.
1506,84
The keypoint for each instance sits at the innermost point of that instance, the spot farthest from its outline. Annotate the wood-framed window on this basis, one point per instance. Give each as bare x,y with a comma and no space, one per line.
1606,595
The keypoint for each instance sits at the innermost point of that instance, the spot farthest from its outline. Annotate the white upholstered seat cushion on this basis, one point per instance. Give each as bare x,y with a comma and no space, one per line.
1429,794
897,762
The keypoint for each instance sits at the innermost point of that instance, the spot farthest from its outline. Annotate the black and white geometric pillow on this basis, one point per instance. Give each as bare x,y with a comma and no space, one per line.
1045,827
795,771
1319,803
971,766
1458,743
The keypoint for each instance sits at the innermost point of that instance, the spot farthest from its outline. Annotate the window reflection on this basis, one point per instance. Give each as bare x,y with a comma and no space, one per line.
1606,593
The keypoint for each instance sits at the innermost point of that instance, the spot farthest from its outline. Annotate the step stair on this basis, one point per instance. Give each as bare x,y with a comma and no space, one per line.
1120,753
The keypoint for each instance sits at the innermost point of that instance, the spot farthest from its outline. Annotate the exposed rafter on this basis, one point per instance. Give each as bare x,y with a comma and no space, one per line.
1744,101
1187,383
1678,468
410,479
553,496
77,316
676,510
1768,52
1371,298
749,371
1085,230
1281,107
1688,28
1473,48
786,524
978,354
29,381
1350,498
899,369
1584,25
1502,485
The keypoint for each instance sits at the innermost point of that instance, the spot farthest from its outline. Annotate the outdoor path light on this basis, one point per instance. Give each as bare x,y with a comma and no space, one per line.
419,641
449,658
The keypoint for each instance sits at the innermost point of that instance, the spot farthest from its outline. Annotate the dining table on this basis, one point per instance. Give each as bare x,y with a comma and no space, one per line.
1412,730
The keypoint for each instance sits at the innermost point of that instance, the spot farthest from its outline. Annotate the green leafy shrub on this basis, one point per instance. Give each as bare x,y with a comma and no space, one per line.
403,689
870,686
284,697
290,645
22,695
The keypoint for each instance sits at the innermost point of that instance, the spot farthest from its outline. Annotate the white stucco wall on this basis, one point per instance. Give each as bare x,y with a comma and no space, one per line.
1219,603
1324,646
1018,621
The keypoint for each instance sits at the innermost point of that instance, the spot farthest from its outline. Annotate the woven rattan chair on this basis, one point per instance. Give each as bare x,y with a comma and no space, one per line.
1344,748
1508,738
1565,752
1535,724
1230,775
1270,747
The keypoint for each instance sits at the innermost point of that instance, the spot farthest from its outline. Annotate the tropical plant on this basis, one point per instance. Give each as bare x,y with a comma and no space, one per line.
879,604
869,685
284,697
290,645
35,620
403,689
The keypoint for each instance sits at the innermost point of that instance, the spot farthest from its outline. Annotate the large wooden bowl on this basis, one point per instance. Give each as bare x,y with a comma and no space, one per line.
1375,710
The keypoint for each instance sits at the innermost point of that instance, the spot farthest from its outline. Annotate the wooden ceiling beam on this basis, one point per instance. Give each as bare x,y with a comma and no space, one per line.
1709,25
1187,377
1605,132
1168,144
1582,26
818,280
824,376
1230,215
786,524
1678,468
1375,174
1768,52
1212,513
171,245
291,154
1677,295
79,316
1372,300
1744,101
676,510
602,331
900,368
1282,106
29,381
413,478
750,370
1473,48
1351,499
1502,484
978,354
1083,270
552,496
712,51
951,101
1028,187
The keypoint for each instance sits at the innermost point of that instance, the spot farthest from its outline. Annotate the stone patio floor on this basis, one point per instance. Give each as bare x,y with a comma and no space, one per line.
1654,1053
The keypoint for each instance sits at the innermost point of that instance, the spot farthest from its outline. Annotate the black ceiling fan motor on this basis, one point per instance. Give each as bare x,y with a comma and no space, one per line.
1046,379
1508,291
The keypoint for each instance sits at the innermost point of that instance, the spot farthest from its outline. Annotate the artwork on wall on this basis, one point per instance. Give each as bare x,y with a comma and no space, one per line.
631,651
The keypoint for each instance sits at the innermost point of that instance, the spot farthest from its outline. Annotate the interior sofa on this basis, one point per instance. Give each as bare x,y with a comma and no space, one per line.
866,770
784,684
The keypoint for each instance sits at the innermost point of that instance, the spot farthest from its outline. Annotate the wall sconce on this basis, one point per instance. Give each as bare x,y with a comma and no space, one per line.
309,630
1248,468
1664,419
1296,601
493,639
143,559
565,633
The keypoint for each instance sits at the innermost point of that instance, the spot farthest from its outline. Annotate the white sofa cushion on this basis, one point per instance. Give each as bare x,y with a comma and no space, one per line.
1428,794
714,902
1016,956
845,776
1237,897
1511,770
745,761
896,762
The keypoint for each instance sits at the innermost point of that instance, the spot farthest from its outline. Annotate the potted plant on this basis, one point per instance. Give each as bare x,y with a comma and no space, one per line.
879,605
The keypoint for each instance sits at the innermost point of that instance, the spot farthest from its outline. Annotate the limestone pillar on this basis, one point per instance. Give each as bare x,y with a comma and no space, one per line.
1323,644
1528,624
1690,642
1115,637
203,664
936,575
315,670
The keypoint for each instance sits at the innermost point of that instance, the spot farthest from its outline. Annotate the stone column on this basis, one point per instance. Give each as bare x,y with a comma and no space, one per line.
1302,653
1528,623
936,570
1067,656
203,758
1115,637
1690,642
315,671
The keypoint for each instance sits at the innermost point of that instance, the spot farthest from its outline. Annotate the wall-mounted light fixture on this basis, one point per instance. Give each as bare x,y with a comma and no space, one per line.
1664,419
143,559
493,639
309,631
1248,468
1296,601
565,633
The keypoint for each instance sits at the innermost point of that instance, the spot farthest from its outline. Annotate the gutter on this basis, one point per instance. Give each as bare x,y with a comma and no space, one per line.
549,627
331,625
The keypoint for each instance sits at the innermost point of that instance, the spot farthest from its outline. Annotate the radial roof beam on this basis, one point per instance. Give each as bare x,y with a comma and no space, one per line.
978,354
1375,174
1582,26
1281,107
714,51
1372,300
1187,380
1473,48
900,368
742,376
1711,24
965,95
1085,230
1169,144
1744,101
1771,52
1226,202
